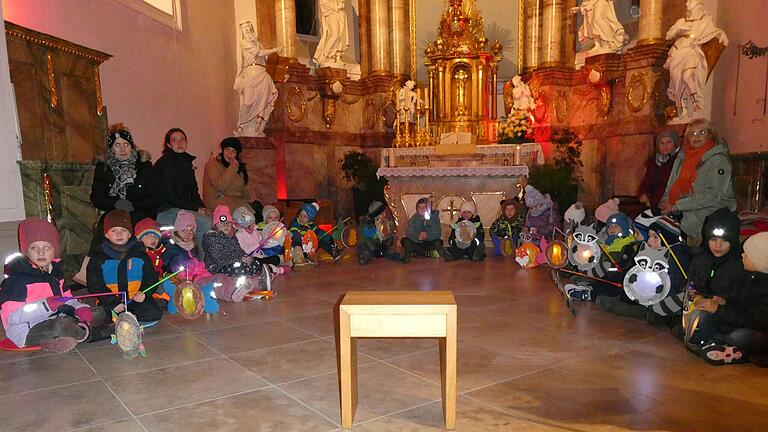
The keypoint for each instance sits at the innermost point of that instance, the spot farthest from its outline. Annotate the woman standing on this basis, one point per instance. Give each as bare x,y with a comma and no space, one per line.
177,185
658,168
700,182
225,178
123,181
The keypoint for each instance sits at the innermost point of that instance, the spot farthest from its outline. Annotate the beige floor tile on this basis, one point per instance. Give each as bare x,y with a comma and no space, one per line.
233,340
294,361
387,348
261,410
61,408
43,372
382,390
161,389
164,352
128,425
320,324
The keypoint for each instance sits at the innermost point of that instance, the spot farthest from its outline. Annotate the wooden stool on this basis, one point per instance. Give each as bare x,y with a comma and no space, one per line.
385,314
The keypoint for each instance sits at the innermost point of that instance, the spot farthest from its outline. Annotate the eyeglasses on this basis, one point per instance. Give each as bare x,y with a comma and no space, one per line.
701,132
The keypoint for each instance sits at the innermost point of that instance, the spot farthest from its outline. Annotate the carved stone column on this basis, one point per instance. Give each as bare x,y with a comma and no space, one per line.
570,35
552,32
651,26
401,52
285,19
364,25
380,60
532,34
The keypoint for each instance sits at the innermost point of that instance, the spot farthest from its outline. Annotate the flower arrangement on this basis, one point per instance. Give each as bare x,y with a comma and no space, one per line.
513,129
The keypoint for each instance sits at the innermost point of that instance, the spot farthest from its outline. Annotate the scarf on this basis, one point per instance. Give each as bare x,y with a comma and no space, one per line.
661,158
684,183
124,172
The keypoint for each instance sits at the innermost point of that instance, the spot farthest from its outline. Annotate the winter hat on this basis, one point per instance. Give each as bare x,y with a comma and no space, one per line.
536,202
233,143
469,206
423,200
375,208
311,210
607,209
519,207
622,221
667,228
119,130
575,213
269,209
722,224
221,214
117,218
184,219
243,217
146,226
756,248
34,229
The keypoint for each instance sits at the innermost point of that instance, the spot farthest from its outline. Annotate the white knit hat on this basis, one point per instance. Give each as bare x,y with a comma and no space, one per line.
575,213
469,206
756,248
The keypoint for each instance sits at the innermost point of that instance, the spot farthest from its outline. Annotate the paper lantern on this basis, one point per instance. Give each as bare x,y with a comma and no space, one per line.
557,254
189,301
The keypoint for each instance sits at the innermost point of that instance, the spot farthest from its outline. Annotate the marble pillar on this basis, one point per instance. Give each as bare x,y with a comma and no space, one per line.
569,44
400,31
380,60
364,27
532,33
285,17
651,26
552,32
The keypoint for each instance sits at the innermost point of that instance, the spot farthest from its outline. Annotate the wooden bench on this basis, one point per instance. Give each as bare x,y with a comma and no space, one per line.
397,314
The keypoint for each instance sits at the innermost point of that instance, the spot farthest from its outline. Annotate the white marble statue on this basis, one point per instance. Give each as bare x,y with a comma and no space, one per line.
686,62
257,91
407,99
334,40
522,100
601,26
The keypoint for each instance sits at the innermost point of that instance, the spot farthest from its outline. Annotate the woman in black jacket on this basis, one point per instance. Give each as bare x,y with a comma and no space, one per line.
177,185
124,180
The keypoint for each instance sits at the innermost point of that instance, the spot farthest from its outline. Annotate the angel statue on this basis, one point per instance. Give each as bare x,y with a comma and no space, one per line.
406,102
257,91
334,41
522,100
602,26
687,63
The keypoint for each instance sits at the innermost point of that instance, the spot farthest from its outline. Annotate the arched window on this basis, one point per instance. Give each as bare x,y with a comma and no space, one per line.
306,17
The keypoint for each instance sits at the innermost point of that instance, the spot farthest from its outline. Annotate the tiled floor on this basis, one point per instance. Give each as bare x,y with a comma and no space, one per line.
525,364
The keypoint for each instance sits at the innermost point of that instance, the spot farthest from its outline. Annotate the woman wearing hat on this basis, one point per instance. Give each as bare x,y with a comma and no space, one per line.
124,180
225,178
658,168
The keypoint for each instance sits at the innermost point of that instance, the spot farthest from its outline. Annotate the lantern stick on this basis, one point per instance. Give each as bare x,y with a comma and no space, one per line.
673,255
616,284
332,229
613,261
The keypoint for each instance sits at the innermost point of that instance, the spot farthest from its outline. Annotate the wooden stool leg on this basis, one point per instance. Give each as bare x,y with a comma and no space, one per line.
448,368
348,372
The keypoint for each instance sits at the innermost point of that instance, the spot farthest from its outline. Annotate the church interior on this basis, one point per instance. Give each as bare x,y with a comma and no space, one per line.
384,215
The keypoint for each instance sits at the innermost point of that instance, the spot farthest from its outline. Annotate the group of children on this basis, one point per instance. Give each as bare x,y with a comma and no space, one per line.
37,309
719,290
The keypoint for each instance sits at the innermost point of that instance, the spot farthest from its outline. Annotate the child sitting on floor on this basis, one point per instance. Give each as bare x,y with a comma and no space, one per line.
119,264
423,234
716,271
735,328
543,214
148,234
376,235
182,251
36,307
271,214
508,225
302,224
458,247
252,240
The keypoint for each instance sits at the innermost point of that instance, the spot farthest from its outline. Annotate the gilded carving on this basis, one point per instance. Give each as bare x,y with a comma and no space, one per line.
561,106
637,92
412,38
54,95
295,104
370,113
604,102
99,100
391,204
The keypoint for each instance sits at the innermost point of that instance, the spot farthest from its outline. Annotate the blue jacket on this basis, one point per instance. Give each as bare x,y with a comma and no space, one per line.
112,271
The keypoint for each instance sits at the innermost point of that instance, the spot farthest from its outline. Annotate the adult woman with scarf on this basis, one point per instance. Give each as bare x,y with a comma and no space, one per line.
658,168
700,182
124,180
225,178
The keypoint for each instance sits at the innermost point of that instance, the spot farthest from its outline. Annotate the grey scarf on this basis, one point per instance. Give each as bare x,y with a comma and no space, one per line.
124,171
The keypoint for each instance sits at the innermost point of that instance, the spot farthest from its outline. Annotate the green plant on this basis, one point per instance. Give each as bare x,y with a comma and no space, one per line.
560,178
357,166
360,170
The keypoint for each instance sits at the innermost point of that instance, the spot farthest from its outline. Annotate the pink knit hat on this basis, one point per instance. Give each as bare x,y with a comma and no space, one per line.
606,209
184,219
34,229
221,214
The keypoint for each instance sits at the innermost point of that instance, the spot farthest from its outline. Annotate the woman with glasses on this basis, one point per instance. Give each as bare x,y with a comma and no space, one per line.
701,179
